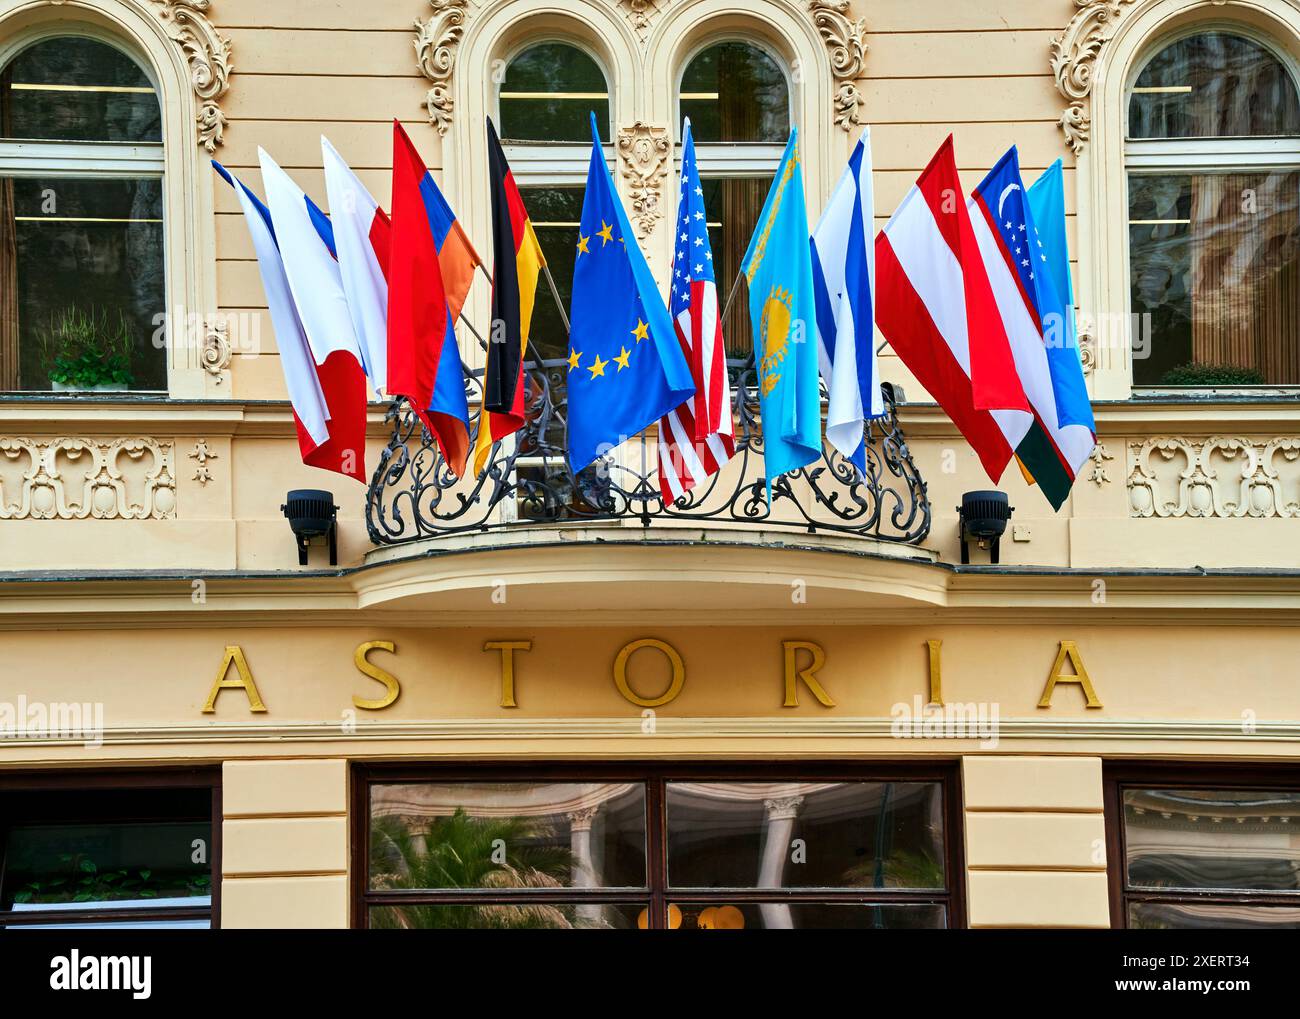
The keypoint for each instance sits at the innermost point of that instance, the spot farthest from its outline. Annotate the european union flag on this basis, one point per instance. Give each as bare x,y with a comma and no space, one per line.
783,312
626,368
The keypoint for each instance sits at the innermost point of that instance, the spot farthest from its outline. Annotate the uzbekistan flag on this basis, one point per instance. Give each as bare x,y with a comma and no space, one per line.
311,413
306,242
423,360
935,306
516,262
1053,448
844,269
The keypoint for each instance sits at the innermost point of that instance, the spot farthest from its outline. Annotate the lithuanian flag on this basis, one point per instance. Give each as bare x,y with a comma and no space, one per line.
517,260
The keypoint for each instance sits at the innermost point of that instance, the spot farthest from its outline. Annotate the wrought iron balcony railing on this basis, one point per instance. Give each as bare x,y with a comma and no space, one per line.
414,495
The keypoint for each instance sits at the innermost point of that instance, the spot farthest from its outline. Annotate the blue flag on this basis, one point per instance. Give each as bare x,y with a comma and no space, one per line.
1047,205
626,368
783,311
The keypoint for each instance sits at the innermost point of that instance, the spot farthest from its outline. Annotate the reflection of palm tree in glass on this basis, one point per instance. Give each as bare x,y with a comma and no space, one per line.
460,851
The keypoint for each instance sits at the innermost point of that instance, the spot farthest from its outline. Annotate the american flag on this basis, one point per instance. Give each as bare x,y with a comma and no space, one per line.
697,438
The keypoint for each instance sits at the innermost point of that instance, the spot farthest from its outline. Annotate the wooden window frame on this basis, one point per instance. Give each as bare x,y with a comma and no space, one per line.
1118,776
656,775
116,779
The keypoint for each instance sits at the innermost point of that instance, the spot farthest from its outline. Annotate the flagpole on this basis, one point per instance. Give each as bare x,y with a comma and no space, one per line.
555,292
731,294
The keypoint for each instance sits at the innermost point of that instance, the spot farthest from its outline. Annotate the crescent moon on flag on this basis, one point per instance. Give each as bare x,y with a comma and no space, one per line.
1002,198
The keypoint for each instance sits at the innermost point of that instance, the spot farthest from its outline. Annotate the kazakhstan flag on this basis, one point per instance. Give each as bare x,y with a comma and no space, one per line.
783,312
626,368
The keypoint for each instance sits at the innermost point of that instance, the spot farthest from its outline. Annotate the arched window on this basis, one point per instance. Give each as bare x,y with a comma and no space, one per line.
82,288
547,94
737,96
1213,162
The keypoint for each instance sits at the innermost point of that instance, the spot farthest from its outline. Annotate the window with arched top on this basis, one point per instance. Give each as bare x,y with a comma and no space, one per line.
546,97
737,96
1212,156
82,280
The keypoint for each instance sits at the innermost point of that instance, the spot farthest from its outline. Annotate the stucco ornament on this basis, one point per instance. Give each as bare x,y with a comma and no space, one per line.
216,351
1221,476
645,155
641,13
1074,58
436,41
845,40
75,478
208,54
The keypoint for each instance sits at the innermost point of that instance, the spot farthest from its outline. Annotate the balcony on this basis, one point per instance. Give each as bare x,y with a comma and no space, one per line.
527,484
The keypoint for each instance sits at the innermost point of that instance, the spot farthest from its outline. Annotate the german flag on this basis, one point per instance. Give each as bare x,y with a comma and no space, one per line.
516,261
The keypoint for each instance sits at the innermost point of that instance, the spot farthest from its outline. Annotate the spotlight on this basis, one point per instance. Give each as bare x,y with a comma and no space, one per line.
982,518
312,514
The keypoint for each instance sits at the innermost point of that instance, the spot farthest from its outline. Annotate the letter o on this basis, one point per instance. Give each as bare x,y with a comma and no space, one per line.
620,673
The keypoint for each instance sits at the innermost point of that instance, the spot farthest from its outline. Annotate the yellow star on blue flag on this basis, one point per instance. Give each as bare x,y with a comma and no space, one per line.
626,368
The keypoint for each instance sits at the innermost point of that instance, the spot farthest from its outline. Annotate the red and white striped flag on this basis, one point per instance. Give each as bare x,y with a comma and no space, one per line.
697,438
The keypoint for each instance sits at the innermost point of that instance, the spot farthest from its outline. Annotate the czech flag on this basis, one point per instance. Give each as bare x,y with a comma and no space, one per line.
423,359
305,240
517,260
311,413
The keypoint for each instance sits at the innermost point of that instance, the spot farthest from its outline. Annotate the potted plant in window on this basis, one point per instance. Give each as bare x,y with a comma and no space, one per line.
1198,373
87,351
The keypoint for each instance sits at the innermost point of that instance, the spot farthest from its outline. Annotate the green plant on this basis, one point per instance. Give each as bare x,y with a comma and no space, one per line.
903,868
81,879
87,349
1199,374
459,851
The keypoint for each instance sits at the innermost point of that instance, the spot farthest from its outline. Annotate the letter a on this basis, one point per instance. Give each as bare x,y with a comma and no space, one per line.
234,653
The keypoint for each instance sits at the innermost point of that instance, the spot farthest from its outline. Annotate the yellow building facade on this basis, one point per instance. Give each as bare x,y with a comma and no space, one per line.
819,717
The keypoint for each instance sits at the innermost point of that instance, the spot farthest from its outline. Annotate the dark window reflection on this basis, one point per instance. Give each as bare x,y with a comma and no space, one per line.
733,205
1213,85
734,92
1215,278
510,916
805,835
84,261
548,94
76,89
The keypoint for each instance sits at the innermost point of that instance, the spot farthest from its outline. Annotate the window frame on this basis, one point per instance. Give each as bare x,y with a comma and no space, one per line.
1165,156
1122,775
656,775
116,779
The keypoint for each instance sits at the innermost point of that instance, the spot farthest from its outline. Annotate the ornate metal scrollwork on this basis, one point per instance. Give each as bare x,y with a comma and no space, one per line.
414,495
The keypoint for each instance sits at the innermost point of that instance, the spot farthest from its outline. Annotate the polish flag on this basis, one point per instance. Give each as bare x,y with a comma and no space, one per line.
361,241
936,307
306,243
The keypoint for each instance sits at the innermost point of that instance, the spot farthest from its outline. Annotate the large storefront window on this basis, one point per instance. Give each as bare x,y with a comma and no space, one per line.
1209,851
114,851
81,222
658,848
1213,155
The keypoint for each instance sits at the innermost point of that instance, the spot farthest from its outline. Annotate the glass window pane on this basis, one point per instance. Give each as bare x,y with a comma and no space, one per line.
1213,85
734,92
811,916
805,835
555,214
85,261
443,835
509,916
1221,839
733,205
1208,916
548,95
122,865
80,90
1215,278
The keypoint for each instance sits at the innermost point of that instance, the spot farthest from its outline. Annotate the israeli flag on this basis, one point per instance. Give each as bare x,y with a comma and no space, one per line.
844,284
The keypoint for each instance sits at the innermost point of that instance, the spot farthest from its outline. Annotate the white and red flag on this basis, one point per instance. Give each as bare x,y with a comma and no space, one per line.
321,441
936,307
698,437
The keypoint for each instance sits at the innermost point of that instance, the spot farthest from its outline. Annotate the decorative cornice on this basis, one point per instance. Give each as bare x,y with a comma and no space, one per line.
74,478
1259,478
207,52
1074,56
845,41
436,41
645,155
